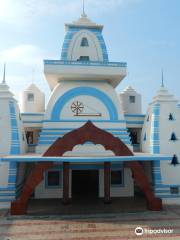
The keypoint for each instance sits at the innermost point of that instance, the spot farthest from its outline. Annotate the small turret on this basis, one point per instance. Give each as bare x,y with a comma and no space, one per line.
11,132
130,101
32,100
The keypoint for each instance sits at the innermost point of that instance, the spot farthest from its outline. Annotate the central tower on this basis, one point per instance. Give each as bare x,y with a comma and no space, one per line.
83,83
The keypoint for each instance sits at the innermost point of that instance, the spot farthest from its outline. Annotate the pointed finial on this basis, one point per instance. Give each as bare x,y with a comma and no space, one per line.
83,13
4,74
32,76
162,80
83,8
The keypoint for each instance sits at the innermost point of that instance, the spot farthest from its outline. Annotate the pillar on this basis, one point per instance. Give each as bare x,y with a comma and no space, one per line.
65,182
107,182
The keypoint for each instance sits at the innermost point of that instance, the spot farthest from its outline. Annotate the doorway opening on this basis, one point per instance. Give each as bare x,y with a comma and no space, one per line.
85,184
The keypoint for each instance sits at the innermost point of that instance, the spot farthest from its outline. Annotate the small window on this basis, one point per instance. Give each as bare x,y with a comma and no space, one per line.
132,99
173,137
53,178
84,58
84,42
148,118
145,137
116,177
134,136
30,97
174,190
30,137
171,118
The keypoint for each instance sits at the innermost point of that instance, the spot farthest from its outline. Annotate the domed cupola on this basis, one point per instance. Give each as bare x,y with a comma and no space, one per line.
32,100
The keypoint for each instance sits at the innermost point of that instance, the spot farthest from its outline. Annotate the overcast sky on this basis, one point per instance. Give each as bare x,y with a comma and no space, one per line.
144,33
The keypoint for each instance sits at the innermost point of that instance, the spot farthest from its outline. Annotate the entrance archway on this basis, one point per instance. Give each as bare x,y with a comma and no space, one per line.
88,132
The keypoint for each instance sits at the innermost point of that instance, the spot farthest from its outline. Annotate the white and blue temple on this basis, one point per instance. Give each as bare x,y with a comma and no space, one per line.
89,139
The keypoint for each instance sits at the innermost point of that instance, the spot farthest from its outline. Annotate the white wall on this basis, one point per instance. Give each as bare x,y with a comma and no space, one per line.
126,190
170,174
147,127
4,168
42,191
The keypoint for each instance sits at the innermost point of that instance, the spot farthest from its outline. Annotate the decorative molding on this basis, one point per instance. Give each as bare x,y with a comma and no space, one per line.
89,91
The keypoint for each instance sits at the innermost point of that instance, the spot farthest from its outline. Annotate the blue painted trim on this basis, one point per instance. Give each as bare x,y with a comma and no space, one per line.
15,143
32,122
53,138
70,129
135,115
135,122
166,185
7,200
86,63
87,159
50,142
32,145
84,121
89,91
46,134
32,114
155,143
168,196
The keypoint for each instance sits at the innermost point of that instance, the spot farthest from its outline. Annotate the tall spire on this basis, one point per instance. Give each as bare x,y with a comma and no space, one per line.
4,74
162,80
32,76
83,12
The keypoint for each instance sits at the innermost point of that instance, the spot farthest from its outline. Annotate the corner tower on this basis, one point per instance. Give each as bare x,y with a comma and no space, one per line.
12,142
160,135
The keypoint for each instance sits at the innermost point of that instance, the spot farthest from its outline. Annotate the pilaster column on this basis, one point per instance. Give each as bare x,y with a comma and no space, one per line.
107,182
65,182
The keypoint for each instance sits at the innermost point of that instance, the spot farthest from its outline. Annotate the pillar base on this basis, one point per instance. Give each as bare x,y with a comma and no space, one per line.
66,202
107,201
155,205
18,208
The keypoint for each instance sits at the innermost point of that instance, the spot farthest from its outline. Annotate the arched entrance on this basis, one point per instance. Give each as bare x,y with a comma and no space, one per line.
88,132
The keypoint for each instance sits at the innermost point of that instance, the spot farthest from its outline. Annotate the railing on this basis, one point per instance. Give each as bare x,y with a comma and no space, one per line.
86,63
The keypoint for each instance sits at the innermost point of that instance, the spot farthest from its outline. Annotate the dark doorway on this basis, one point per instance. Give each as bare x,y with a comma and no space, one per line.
85,184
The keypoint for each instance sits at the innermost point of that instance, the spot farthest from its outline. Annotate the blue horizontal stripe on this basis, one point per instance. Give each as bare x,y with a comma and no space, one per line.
135,122
93,160
135,115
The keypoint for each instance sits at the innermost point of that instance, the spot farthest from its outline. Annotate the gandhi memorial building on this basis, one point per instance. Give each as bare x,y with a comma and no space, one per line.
89,139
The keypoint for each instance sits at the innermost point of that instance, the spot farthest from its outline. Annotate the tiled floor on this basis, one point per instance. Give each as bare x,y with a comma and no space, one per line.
91,227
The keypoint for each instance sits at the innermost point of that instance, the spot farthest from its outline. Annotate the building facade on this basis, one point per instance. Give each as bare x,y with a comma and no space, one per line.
89,140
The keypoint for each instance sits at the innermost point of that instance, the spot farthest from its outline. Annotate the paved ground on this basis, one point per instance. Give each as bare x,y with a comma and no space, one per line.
91,227
86,205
